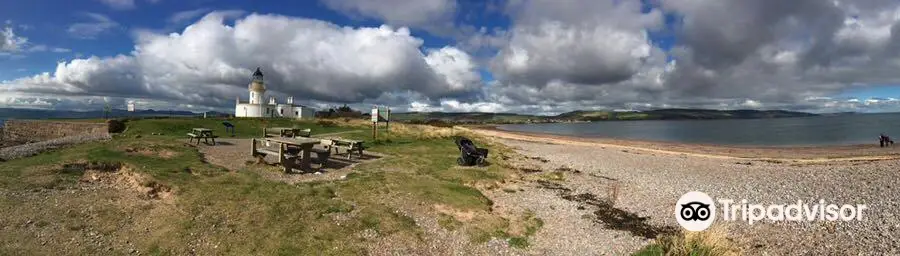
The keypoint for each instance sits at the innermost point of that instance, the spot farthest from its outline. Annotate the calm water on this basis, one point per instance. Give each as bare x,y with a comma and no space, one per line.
824,130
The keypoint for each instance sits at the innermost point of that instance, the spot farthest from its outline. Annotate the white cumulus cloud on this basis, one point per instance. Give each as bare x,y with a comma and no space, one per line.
209,63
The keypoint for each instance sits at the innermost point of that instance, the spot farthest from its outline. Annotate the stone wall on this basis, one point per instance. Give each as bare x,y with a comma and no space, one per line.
25,131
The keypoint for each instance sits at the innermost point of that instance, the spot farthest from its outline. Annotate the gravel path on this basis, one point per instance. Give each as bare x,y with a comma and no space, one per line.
30,149
650,184
234,155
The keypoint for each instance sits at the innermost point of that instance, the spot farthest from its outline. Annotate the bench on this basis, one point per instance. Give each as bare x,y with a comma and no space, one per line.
349,146
322,155
290,152
303,133
286,132
206,138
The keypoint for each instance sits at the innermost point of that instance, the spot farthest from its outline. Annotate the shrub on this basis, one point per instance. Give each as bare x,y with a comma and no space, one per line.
438,123
713,241
115,126
326,123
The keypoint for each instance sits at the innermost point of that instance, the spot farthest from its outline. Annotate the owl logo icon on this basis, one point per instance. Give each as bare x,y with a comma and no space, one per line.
695,211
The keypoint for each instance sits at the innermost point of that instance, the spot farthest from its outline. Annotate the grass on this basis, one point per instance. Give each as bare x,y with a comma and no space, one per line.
217,211
713,241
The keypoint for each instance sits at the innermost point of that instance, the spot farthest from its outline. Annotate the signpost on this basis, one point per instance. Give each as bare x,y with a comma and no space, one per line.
387,120
374,123
377,115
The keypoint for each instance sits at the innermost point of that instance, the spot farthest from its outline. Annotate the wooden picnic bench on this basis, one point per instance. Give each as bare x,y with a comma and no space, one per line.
292,153
349,146
286,132
201,133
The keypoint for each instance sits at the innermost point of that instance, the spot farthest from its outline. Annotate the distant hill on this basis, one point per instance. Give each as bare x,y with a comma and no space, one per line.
587,115
679,114
19,113
469,117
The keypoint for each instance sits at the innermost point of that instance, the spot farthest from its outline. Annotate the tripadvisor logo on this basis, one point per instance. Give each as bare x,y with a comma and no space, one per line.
696,211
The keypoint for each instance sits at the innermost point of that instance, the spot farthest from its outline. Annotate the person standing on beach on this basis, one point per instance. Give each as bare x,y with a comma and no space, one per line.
883,140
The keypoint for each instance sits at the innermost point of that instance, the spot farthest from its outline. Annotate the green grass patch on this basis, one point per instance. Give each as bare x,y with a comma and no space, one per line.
242,212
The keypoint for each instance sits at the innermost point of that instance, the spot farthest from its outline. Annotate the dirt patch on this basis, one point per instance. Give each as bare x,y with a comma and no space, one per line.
116,175
151,152
460,215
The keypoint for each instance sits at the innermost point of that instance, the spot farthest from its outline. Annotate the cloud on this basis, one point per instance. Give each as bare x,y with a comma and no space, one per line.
728,54
97,25
209,64
578,55
436,16
119,4
9,41
586,54
186,16
782,51
588,43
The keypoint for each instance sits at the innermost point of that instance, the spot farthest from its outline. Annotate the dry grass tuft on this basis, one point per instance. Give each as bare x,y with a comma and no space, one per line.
713,241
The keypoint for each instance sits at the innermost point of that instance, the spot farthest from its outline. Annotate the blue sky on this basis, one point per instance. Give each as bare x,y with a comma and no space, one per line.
48,26
498,55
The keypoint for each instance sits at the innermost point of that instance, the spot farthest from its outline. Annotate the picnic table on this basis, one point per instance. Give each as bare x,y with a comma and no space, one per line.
286,132
290,150
349,146
202,133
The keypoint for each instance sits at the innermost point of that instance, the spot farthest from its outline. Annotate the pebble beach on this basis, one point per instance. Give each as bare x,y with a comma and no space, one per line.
650,177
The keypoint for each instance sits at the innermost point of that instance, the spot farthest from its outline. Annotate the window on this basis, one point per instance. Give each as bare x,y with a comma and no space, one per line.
281,111
298,113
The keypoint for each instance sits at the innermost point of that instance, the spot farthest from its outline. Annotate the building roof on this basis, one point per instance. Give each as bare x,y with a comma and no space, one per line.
257,84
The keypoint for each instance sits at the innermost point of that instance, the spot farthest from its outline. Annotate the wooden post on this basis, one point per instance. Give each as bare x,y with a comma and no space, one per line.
374,131
281,153
253,147
387,120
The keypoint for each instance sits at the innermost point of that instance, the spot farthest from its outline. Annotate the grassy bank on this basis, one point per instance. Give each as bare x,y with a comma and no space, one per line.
155,194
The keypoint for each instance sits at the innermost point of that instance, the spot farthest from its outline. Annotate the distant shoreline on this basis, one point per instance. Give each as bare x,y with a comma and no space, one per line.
858,152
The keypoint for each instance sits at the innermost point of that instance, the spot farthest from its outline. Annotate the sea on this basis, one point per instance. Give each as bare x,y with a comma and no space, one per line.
847,129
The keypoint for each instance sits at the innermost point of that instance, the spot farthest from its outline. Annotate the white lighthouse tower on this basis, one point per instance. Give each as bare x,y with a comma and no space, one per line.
256,107
257,88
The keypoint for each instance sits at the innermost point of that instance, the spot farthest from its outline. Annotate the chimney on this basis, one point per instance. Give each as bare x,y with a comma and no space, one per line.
290,100
272,100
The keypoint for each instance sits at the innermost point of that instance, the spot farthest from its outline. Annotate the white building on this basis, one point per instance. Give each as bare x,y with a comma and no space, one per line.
256,108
